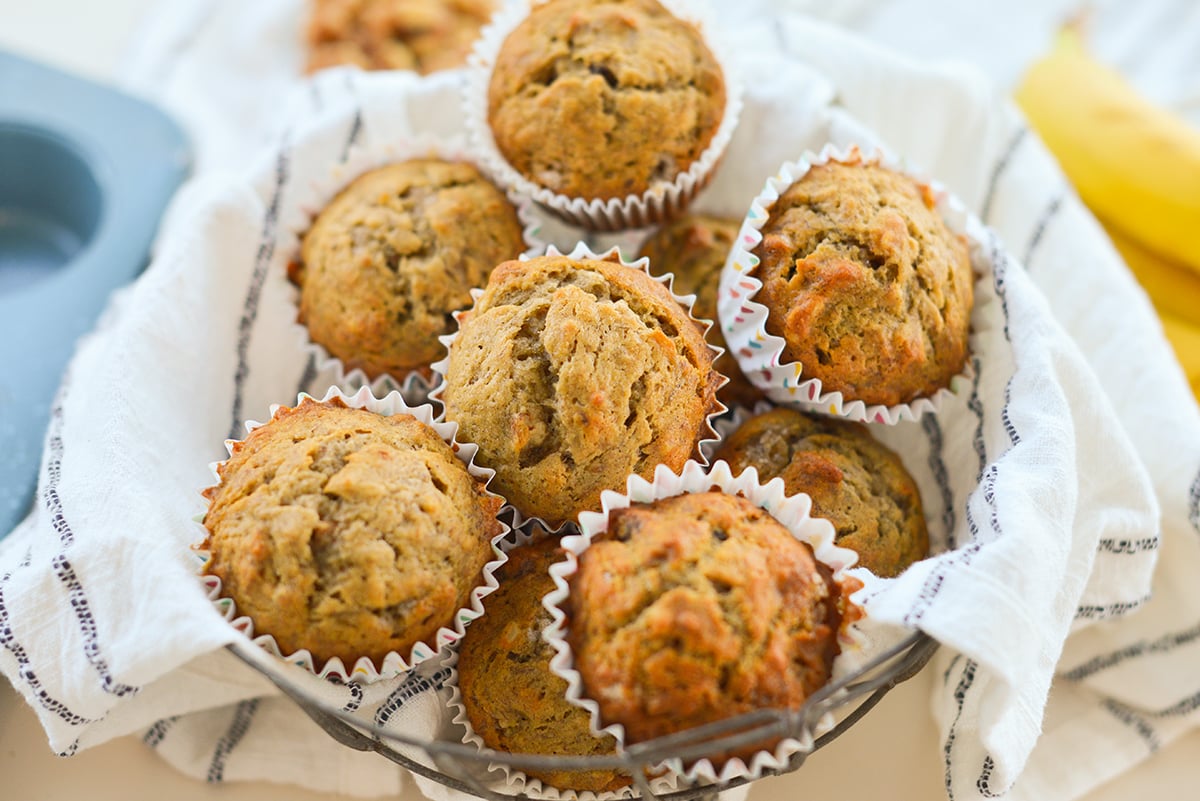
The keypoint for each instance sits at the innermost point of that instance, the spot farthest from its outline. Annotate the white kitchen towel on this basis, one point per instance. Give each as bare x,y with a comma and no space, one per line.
1074,497
1122,690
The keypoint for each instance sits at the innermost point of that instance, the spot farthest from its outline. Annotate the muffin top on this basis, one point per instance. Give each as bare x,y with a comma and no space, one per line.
348,533
694,247
697,608
571,375
604,98
391,257
854,480
513,700
862,279
421,35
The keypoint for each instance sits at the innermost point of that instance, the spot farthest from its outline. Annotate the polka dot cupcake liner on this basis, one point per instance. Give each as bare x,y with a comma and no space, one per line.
308,202
794,513
657,204
582,251
394,664
760,353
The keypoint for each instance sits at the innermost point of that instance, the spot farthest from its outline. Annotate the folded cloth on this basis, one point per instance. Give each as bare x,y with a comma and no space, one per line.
1035,477
1122,689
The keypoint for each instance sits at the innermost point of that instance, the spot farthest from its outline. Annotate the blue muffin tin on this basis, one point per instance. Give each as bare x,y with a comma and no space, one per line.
85,172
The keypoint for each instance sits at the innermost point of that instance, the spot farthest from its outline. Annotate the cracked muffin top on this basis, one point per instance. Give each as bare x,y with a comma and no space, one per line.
388,261
421,35
602,99
693,248
866,285
697,608
514,701
571,375
348,533
854,480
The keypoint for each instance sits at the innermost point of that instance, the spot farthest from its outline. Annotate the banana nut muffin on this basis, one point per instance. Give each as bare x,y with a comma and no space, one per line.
421,35
572,375
391,257
604,98
697,608
513,699
348,533
694,247
862,279
854,480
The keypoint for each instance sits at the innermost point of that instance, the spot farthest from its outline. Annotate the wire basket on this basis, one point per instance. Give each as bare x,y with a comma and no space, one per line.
465,767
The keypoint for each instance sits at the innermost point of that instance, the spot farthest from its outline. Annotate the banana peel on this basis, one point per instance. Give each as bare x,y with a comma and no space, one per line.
1185,339
1173,288
1135,164
1137,167
1175,293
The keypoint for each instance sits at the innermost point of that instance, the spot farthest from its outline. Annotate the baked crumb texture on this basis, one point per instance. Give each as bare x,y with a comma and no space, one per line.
855,482
698,608
572,375
348,533
388,261
514,701
421,35
603,99
694,248
866,285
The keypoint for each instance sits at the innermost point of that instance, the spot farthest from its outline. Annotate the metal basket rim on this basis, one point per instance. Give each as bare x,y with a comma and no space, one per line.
870,683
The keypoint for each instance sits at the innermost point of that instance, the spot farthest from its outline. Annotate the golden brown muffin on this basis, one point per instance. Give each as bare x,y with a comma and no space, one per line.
391,257
572,375
862,279
348,533
854,481
697,608
694,248
604,98
421,35
513,700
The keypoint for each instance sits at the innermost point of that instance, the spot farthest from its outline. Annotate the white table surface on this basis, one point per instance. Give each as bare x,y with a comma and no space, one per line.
893,753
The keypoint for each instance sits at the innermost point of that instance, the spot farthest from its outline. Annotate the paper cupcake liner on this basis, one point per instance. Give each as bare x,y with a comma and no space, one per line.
793,513
511,780
728,423
663,200
394,664
582,251
760,354
310,200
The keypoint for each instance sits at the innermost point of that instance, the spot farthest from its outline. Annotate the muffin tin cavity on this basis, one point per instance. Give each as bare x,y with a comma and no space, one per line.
50,204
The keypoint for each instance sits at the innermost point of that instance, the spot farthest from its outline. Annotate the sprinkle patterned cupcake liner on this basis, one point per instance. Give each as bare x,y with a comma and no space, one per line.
307,205
582,251
394,664
760,353
794,513
663,200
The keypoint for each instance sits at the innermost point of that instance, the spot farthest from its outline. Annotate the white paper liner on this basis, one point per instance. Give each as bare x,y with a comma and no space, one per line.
663,200
793,513
582,251
511,780
308,202
759,353
394,664
731,422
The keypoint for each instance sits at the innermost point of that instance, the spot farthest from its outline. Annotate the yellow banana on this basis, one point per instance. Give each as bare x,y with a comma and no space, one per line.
1185,339
1173,289
1134,164
1175,292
